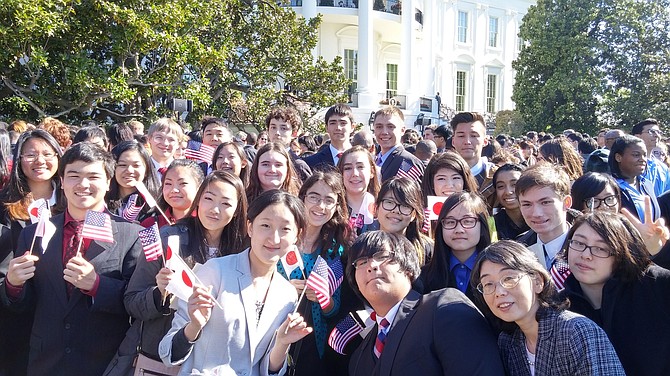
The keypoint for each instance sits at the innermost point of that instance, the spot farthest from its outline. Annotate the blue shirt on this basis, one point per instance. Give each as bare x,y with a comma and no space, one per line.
461,271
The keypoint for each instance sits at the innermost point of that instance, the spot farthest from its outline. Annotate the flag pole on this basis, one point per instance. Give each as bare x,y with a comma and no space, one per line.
32,244
198,281
297,304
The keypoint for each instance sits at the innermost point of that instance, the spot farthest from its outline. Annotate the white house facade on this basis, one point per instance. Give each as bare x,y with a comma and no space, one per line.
405,52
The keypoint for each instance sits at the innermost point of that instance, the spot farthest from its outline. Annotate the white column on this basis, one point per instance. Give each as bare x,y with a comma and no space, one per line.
407,57
309,12
366,83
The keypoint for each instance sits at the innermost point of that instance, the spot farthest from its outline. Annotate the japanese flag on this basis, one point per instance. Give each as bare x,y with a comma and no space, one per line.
434,206
181,285
291,261
35,208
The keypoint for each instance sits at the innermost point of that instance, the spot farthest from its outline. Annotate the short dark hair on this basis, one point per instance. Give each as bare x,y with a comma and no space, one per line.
89,153
209,120
287,114
443,131
340,109
587,146
466,117
371,242
277,196
116,133
637,128
87,133
590,185
544,174
619,147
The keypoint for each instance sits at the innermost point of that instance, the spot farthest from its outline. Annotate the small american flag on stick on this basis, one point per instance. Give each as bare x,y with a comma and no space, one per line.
318,281
151,243
199,151
408,170
97,226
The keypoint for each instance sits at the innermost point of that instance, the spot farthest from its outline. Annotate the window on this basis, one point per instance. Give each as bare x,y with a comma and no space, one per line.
351,70
491,90
519,43
391,80
462,27
493,32
460,90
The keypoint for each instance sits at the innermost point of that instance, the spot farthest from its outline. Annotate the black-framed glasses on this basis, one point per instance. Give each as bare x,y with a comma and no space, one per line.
656,132
316,199
658,154
578,246
594,202
390,205
466,222
378,257
508,282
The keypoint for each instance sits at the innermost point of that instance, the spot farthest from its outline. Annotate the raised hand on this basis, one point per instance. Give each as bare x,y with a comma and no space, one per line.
81,273
654,233
199,311
162,279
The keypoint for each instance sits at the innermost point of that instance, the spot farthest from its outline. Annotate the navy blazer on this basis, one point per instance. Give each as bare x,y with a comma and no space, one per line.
392,163
79,335
441,333
321,160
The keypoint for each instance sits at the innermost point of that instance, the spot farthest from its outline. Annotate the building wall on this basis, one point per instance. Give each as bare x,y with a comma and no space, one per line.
428,55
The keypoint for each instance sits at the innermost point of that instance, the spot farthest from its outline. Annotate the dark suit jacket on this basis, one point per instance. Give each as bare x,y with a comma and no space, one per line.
441,333
79,335
300,166
321,161
392,163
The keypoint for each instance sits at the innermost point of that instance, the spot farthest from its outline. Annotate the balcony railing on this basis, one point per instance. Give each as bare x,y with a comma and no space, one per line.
388,6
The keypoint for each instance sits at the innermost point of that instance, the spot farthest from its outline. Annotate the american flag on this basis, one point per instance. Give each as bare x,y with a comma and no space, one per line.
335,274
151,243
97,226
199,151
344,331
318,281
408,170
560,271
130,211
425,228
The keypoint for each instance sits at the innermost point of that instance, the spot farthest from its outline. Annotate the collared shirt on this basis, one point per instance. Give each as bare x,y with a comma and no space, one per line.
68,233
157,166
552,248
334,152
390,316
386,155
462,270
479,167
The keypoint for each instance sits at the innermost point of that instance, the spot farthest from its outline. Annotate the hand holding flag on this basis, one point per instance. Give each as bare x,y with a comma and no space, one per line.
198,151
151,243
291,261
318,281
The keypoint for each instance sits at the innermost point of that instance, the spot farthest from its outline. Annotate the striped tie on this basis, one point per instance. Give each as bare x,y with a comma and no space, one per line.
381,338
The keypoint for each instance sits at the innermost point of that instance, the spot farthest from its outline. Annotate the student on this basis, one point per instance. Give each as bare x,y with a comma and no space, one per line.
133,165
361,184
272,169
76,296
399,211
544,196
615,284
164,136
542,337
559,151
596,191
441,333
509,220
326,235
463,233
180,186
283,125
389,126
256,301
217,229
229,156
215,131
339,126
628,161
93,134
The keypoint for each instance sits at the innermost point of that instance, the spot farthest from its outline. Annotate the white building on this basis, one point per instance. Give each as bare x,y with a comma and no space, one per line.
407,51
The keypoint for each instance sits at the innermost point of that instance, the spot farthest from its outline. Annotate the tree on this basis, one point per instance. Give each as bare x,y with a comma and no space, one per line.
589,64
122,59
509,122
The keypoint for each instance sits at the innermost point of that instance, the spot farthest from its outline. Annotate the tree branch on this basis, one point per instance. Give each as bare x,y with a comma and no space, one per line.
20,92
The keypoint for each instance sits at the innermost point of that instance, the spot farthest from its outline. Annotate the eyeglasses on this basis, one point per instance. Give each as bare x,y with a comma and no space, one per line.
160,139
378,257
466,222
658,154
508,282
595,251
32,157
314,198
655,132
390,205
594,203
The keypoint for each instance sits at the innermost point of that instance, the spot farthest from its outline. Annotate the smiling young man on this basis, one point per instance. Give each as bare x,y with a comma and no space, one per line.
657,172
393,159
283,125
441,333
339,125
543,191
164,136
77,297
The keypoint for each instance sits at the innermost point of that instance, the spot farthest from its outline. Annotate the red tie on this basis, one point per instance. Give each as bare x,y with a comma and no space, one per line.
381,336
339,155
71,250
162,171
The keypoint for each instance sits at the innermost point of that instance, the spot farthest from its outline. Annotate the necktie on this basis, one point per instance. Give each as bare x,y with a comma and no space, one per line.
381,337
71,250
162,171
378,161
339,155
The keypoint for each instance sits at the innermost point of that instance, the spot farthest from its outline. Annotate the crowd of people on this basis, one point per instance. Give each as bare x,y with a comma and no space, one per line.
458,253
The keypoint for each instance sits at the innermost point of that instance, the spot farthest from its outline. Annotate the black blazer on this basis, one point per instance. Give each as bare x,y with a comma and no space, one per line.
392,163
441,333
322,160
79,335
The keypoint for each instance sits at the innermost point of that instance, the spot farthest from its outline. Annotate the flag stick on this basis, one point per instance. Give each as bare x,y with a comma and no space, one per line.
163,214
198,281
33,242
297,304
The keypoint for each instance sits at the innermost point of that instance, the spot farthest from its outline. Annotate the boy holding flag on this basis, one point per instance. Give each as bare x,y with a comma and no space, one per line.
76,283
